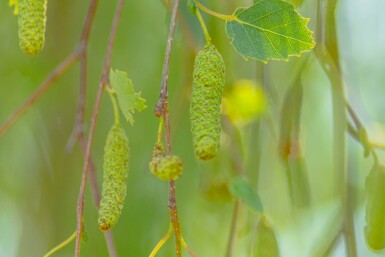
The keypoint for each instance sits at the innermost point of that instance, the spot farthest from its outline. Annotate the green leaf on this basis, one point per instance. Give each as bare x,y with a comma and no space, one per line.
269,30
242,189
128,99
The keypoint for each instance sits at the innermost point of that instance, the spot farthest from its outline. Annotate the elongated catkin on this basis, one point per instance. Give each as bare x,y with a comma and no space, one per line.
375,208
32,19
208,84
115,168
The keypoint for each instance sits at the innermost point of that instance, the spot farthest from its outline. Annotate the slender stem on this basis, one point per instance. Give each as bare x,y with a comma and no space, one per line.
62,68
159,109
115,107
161,242
211,12
61,245
204,27
160,130
328,55
78,128
103,81
171,191
185,246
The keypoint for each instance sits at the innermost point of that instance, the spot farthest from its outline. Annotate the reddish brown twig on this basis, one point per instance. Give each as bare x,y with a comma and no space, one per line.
47,84
78,128
103,81
161,109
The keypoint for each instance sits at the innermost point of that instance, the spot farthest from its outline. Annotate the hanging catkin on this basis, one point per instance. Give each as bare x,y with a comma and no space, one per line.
208,84
115,168
32,18
375,208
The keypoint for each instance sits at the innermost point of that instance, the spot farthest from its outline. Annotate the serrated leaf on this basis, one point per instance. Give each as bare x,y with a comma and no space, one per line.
240,188
128,99
269,30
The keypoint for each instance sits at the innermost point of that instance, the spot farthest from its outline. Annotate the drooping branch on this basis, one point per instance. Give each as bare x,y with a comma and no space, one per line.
161,109
78,128
62,68
103,81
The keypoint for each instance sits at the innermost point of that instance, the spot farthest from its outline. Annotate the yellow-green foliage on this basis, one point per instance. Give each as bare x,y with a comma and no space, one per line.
115,168
32,18
208,84
266,244
165,167
375,208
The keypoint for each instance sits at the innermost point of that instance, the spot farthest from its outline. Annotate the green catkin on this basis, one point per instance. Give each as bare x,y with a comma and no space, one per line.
115,168
266,244
375,208
208,84
165,167
32,18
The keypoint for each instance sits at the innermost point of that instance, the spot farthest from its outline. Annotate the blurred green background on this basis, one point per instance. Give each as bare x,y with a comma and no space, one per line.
39,179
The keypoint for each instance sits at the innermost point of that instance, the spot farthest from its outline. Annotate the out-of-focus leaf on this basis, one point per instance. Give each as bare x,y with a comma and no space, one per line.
375,208
240,188
128,99
269,30
299,187
245,102
266,244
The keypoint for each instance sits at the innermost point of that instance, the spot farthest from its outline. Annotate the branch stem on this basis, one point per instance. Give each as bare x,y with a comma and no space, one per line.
61,245
213,13
204,27
62,68
161,242
103,81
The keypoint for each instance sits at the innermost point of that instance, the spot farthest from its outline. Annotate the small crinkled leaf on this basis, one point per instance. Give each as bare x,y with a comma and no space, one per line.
269,30
128,99
242,189
16,4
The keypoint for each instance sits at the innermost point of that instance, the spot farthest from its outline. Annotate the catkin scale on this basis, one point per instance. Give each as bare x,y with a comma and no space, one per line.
375,208
208,84
31,19
115,168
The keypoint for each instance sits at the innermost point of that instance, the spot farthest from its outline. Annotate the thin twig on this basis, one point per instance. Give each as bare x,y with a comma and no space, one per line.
61,245
103,81
159,109
78,128
63,67
328,55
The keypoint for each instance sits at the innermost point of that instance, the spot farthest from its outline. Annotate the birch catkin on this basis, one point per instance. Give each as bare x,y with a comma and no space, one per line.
208,84
165,167
115,168
375,208
32,18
